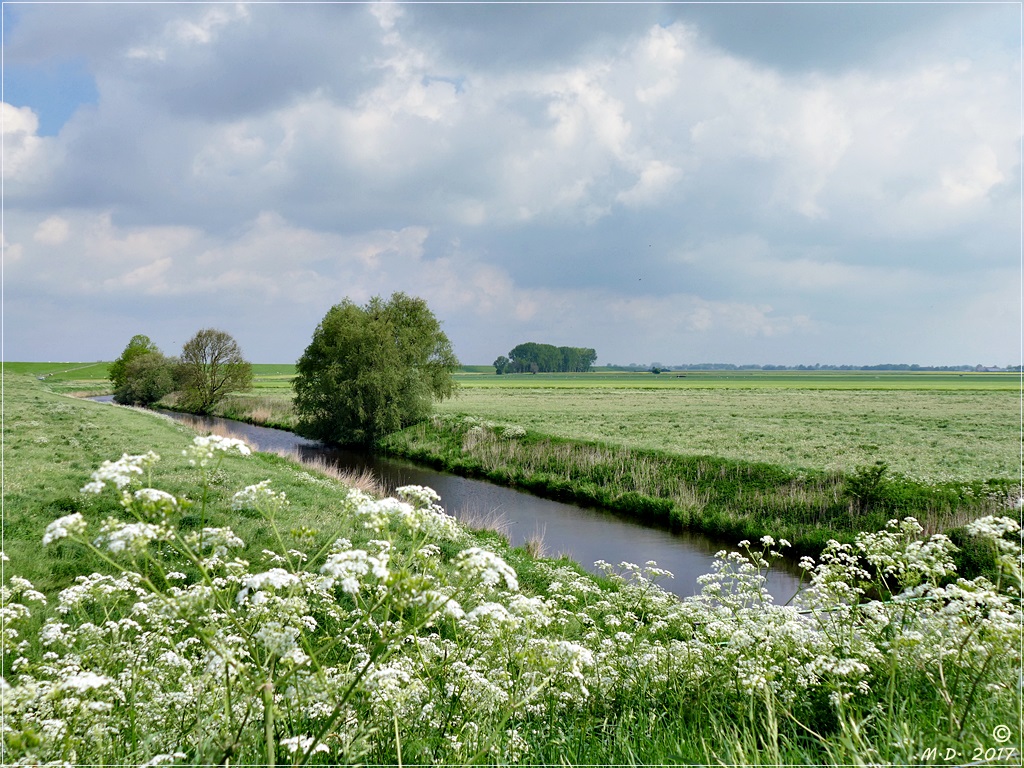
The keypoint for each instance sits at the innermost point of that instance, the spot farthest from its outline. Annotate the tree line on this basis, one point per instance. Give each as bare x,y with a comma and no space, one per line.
210,366
531,357
368,371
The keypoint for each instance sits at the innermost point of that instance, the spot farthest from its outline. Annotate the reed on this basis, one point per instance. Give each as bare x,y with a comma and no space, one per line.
363,480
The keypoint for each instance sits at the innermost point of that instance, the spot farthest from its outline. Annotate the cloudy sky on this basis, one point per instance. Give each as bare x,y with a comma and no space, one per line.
682,183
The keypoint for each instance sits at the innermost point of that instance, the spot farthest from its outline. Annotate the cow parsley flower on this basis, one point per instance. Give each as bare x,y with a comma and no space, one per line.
217,539
62,527
258,496
84,681
151,503
419,496
487,567
204,449
118,536
350,566
275,578
302,744
279,639
120,472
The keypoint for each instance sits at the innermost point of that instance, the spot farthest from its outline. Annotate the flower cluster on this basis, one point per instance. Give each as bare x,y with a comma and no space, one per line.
259,497
395,645
121,472
205,449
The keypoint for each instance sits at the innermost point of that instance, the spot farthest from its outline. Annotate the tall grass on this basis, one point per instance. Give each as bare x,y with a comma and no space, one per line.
264,410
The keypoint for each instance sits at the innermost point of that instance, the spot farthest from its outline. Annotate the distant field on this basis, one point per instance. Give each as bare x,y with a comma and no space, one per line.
750,380
61,371
931,426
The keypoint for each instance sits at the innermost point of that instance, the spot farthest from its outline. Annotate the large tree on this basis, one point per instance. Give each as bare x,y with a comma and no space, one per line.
211,366
372,370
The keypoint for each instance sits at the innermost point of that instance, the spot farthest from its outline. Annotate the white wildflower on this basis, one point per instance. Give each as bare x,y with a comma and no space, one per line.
204,449
166,757
117,536
258,496
220,540
419,496
349,567
279,639
275,578
487,567
302,744
62,527
84,681
120,472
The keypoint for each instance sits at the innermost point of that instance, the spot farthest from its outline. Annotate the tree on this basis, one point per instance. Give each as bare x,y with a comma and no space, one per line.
138,346
147,378
372,370
211,366
501,364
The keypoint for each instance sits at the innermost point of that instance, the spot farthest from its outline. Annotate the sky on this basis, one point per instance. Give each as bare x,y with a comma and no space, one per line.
753,183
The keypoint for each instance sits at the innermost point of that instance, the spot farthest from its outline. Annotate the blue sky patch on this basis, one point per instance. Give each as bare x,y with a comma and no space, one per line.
54,91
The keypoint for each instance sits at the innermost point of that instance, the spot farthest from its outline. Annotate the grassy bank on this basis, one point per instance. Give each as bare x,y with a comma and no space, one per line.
725,498
216,618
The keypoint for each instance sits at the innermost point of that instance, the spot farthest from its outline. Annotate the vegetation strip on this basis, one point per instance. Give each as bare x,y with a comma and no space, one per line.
729,500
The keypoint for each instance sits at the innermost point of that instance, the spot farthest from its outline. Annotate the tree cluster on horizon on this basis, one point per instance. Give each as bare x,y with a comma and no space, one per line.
531,357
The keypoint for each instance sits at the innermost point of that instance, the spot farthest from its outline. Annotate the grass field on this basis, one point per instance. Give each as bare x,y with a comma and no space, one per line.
842,380
933,427
935,434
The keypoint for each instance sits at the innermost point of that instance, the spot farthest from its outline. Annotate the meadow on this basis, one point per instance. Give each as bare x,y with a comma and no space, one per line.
214,605
734,454
932,427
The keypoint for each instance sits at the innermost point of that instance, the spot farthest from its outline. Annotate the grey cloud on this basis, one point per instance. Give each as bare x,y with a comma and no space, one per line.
823,37
521,36
262,61
35,33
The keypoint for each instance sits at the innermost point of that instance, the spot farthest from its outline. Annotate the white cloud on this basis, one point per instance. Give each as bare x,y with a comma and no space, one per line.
53,230
655,180
187,32
24,151
974,177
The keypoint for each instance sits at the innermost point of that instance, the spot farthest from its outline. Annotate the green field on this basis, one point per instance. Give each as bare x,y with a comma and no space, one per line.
934,427
842,380
924,427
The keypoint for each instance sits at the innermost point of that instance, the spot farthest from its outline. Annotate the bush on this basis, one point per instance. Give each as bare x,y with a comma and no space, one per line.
146,379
